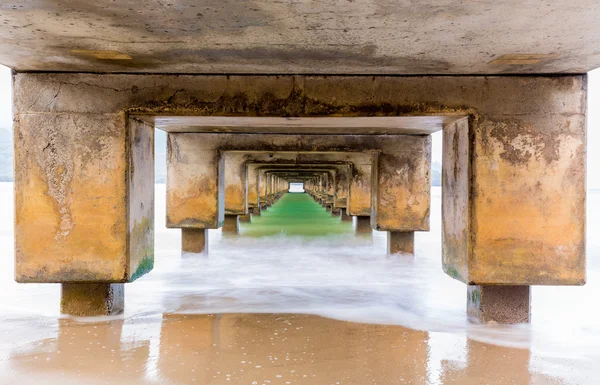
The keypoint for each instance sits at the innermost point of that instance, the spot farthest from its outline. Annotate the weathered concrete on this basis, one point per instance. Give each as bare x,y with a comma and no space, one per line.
499,304
401,181
84,197
401,242
512,171
194,240
231,224
363,224
92,299
195,183
417,37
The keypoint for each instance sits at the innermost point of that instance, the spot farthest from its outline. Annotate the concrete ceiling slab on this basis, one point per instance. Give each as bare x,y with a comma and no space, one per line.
392,125
301,36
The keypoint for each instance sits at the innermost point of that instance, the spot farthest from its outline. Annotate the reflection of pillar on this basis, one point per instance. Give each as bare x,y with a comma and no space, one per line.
82,352
363,224
186,349
231,224
501,304
92,299
489,364
401,242
194,240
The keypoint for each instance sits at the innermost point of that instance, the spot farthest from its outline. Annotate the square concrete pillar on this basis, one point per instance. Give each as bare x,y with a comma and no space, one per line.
401,242
363,225
359,194
92,299
84,197
401,184
231,224
499,304
195,181
513,199
194,240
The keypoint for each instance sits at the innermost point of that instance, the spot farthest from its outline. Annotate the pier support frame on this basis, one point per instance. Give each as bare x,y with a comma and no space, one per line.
83,176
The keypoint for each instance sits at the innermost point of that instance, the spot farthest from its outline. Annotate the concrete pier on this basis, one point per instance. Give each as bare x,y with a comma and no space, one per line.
231,224
194,240
84,166
363,225
499,304
345,217
401,242
92,299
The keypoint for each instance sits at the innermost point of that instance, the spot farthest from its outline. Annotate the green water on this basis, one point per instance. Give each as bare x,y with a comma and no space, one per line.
296,214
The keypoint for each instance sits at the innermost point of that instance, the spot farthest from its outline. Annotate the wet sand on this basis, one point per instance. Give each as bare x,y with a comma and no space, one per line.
294,309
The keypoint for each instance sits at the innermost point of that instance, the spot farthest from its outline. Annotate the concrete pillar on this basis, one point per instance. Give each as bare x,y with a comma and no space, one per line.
335,212
92,299
363,225
231,224
401,242
499,304
345,216
194,240
400,188
245,218
359,194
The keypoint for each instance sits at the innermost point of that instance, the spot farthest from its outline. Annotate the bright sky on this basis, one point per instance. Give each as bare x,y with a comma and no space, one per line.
593,119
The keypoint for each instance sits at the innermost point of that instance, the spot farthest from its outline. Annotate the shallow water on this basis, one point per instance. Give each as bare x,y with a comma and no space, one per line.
305,303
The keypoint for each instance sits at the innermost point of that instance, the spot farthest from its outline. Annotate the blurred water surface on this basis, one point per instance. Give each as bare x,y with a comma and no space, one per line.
296,298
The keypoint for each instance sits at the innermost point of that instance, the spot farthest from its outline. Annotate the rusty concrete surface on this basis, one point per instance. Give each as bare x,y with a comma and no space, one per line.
378,37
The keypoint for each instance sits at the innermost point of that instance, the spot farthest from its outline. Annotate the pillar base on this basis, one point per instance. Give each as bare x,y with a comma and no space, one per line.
335,212
363,225
401,242
231,224
245,218
499,304
346,217
194,240
92,299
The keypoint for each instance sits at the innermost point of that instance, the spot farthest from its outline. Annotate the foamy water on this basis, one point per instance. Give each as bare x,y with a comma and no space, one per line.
339,276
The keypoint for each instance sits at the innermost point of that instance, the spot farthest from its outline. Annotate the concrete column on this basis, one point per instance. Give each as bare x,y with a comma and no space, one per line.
499,304
401,242
194,240
345,216
335,212
92,299
359,194
231,224
363,224
400,187
245,218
